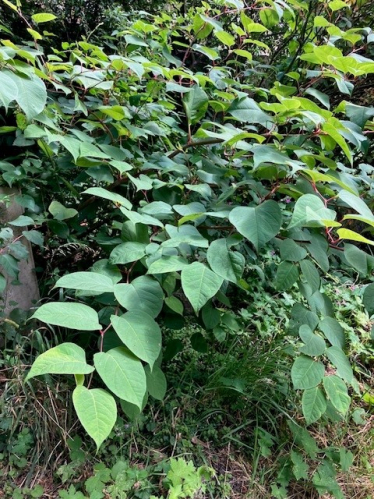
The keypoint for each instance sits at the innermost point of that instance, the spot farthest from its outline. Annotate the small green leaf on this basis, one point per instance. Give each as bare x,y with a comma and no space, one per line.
168,264
351,235
70,315
306,373
43,17
311,274
314,344
86,281
225,38
368,299
338,358
224,262
313,404
140,333
96,410
156,382
337,393
127,253
291,251
59,211
22,221
333,331
287,275
195,104
66,358
199,284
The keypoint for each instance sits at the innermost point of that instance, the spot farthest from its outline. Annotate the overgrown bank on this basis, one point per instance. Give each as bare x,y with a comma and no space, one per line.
198,192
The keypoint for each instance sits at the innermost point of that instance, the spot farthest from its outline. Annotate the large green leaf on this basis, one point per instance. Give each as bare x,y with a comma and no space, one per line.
287,275
123,374
311,274
144,294
338,358
195,104
67,358
310,211
314,344
97,411
167,264
140,333
8,90
31,93
359,114
358,259
199,284
306,373
86,281
70,315
225,262
259,224
337,393
291,251
247,110
127,253
313,404
357,204
333,331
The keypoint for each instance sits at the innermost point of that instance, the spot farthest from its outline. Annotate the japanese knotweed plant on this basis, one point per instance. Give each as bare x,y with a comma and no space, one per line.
181,153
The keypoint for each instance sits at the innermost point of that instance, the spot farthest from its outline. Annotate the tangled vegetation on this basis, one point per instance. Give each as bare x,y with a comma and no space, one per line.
197,187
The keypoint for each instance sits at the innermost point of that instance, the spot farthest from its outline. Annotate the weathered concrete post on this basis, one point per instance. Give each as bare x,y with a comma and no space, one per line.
24,294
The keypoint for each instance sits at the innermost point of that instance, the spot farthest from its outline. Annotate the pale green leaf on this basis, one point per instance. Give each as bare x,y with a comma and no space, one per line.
313,404
59,211
86,281
333,331
224,262
306,373
71,315
337,392
31,93
338,358
144,294
127,253
168,264
259,224
351,235
310,211
96,410
314,344
199,284
123,374
140,333
43,17
67,358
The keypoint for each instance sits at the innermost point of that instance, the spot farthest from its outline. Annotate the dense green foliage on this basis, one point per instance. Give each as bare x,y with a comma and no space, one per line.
193,165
